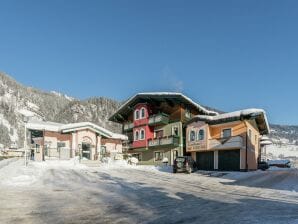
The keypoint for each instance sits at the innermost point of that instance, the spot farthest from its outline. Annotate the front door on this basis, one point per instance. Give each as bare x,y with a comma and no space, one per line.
86,151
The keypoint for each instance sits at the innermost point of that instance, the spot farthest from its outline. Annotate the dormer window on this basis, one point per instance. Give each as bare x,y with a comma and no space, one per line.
137,114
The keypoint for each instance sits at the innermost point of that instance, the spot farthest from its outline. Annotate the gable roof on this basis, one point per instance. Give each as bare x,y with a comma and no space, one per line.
65,128
258,115
157,96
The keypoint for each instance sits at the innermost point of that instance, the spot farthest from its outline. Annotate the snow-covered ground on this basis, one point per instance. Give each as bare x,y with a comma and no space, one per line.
69,192
282,150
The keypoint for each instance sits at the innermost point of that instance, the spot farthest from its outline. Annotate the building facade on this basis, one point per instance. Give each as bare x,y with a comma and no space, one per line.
49,140
155,125
229,141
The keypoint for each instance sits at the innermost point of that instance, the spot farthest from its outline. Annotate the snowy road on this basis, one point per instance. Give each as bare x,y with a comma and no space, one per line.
51,193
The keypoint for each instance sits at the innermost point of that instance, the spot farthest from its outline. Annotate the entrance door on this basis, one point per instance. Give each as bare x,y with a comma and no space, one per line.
229,160
205,160
86,151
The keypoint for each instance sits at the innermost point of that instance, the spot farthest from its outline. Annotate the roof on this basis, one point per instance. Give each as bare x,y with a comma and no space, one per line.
65,128
44,125
258,114
157,96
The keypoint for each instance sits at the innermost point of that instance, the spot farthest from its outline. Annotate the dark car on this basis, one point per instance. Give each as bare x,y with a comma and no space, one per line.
263,165
184,164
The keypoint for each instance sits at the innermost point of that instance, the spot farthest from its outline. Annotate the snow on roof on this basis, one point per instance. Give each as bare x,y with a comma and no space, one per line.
127,102
265,138
44,125
266,142
232,115
57,127
101,130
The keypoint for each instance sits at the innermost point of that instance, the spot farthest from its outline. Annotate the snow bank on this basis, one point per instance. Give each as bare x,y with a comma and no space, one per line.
15,174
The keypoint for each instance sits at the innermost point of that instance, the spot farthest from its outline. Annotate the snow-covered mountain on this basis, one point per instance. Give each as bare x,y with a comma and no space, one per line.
17,101
285,142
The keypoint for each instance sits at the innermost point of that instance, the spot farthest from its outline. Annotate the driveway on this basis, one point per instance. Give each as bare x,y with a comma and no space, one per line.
68,193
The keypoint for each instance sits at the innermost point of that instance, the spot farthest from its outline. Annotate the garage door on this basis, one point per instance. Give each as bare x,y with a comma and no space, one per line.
205,160
229,160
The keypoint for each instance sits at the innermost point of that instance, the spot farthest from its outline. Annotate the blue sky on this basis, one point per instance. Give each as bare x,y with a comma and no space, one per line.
226,54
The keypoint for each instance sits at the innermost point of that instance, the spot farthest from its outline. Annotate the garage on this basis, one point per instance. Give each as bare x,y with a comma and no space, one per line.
229,160
205,160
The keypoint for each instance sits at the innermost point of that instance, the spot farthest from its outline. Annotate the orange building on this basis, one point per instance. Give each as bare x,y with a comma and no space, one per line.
229,141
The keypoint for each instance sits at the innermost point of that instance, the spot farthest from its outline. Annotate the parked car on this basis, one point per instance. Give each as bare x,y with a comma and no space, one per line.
184,164
263,165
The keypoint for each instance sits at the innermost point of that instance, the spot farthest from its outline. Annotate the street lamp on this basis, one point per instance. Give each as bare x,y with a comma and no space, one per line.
26,119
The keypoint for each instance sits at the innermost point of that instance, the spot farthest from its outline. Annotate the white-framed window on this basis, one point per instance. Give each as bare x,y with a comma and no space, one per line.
136,135
142,134
143,112
137,114
226,133
249,133
158,156
192,135
175,131
201,135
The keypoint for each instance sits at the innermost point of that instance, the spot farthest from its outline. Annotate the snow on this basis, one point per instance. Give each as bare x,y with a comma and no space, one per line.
32,106
14,173
26,112
126,103
59,127
282,150
235,114
68,192
278,162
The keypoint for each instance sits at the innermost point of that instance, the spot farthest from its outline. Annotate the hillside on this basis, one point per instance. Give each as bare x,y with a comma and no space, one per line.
17,100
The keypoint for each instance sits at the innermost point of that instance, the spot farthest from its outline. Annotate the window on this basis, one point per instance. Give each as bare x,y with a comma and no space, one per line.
158,156
142,134
137,114
226,133
136,135
192,136
143,112
249,134
158,133
175,131
201,135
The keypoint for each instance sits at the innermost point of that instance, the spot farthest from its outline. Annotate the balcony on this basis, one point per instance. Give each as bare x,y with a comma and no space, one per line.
158,119
128,126
226,143
165,141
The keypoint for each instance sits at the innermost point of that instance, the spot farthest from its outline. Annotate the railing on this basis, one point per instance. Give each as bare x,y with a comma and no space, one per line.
128,126
226,143
169,140
158,119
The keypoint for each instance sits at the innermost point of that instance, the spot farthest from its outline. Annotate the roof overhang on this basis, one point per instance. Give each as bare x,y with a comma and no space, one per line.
156,97
258,115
